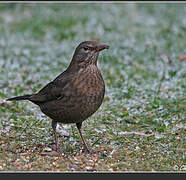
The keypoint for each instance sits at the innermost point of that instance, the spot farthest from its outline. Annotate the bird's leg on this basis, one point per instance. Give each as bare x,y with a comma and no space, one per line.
54,124
79,129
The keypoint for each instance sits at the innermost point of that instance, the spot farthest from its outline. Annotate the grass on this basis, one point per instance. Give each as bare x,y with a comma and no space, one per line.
141,123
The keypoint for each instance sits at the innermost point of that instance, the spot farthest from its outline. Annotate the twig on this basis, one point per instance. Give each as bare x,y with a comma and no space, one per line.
135,133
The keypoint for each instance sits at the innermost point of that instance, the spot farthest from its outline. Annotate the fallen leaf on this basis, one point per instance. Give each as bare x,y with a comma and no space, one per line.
95,39
182,57
51,153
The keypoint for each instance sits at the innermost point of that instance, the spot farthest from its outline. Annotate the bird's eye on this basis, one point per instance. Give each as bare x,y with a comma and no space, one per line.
86,48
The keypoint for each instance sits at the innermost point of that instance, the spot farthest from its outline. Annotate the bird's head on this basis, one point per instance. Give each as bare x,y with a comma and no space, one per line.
87,53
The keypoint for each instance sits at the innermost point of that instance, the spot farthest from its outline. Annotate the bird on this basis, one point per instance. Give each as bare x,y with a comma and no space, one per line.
76,93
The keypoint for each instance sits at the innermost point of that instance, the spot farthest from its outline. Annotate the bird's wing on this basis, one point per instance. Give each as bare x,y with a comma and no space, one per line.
53,90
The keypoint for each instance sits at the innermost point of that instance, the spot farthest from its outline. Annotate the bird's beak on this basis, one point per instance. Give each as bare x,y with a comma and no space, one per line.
100,47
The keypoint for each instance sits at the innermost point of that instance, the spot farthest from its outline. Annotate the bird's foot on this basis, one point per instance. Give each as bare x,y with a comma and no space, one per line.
58,150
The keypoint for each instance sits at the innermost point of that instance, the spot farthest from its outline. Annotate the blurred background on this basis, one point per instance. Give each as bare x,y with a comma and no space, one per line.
144,72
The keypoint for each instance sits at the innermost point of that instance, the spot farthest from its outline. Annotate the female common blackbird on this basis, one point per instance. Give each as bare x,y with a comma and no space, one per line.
76,93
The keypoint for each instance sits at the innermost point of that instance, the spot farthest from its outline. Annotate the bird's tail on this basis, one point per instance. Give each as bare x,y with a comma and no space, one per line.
18,98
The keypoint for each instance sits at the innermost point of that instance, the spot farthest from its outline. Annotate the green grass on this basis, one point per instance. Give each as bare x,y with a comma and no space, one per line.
141,123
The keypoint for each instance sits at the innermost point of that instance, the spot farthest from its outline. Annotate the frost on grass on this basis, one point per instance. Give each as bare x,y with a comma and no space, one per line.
144,72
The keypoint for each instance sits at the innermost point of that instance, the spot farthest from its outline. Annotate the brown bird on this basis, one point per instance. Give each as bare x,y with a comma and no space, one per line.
75,94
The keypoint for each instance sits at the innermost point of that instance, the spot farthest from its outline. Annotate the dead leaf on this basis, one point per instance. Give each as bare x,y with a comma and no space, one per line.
51,153
182,57
95,39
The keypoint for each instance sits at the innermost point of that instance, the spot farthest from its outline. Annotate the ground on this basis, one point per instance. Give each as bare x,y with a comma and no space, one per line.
141,123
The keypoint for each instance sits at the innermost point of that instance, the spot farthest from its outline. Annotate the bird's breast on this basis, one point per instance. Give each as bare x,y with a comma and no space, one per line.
89,82
82,97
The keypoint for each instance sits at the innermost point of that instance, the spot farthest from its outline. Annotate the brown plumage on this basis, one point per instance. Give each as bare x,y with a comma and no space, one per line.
76,93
